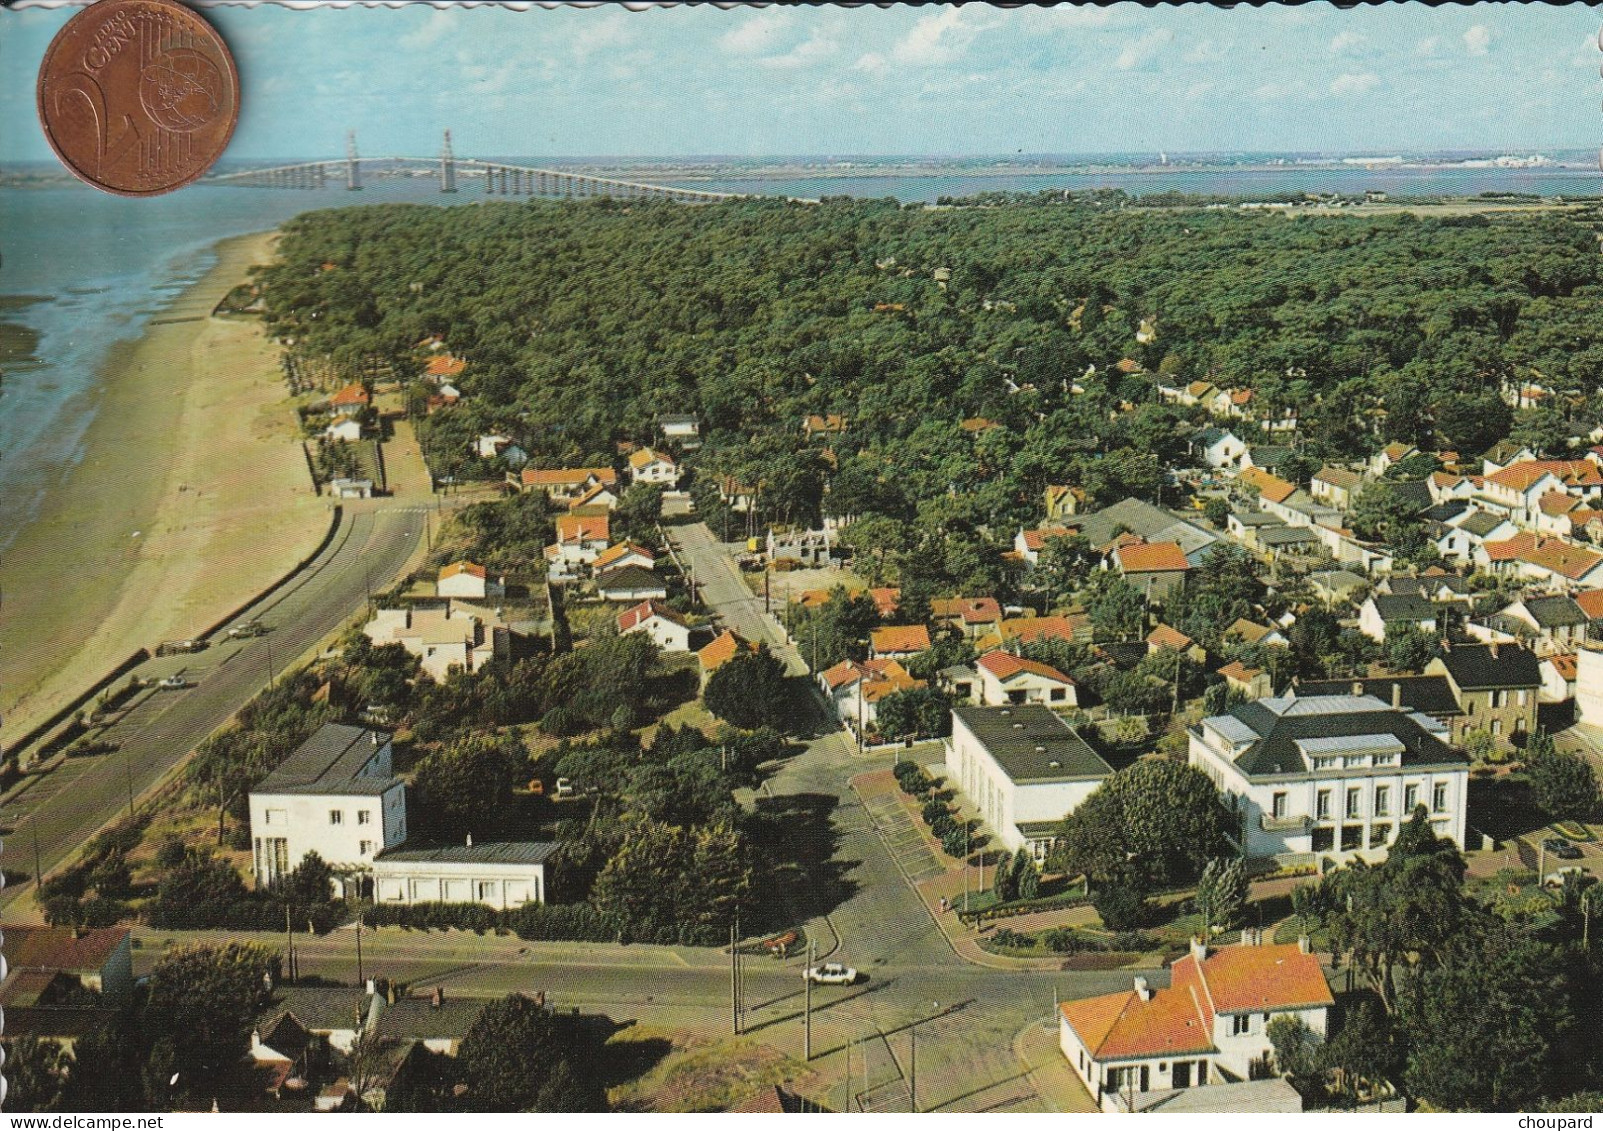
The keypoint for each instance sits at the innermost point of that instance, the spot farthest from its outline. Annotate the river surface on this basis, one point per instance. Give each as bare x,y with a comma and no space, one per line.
82,270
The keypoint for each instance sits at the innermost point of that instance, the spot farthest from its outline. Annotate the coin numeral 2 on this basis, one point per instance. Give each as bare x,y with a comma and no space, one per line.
106,152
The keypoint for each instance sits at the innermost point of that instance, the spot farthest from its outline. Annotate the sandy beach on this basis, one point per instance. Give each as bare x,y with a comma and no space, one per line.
192,495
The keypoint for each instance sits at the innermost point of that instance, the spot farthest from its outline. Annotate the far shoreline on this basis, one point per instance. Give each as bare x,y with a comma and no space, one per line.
189,494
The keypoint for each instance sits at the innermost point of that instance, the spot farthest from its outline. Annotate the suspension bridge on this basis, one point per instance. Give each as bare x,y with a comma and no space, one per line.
498,178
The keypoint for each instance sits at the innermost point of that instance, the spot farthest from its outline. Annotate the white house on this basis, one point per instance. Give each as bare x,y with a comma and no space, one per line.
343,429
1208,1027
442,639
855,689
666,628
498,874
1331,775
1009,679
630,583
581,539
1551,561
1559,674
564,484
624,554
1383,611
337,796
1023,769
649,466
468,580
1219,448
1521,486
1335,486
490,445
1393,453
681,429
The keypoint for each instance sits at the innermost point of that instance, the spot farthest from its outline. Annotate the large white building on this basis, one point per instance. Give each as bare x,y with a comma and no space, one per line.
337,796
1023,768
456,636
500,875
1332,775
1208,1028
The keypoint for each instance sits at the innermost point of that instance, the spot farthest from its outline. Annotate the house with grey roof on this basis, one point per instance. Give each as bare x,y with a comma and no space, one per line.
337,795
1023,768
502,874
1556,623
1219,448
1497,686
1383,612
1151,524
1331,776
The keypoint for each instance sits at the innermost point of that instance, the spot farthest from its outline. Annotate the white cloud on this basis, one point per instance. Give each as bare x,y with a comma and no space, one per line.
1354,84
757,33
873,62
1428,46
1139,51
804,54
1478,40
434,28
1347,42
1203,51
939,38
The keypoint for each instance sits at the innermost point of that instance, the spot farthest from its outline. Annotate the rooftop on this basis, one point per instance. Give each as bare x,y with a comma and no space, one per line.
1005,665
1152,557
1428,694
1032,744
59,948
491,852
900,638
1483,667
1275,731
332,761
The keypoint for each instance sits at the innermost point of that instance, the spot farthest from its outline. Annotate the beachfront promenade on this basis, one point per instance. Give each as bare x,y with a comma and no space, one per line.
63,809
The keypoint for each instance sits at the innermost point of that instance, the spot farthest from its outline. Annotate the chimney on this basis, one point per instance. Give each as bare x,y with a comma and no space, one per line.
1304,944
1396,696
1199,949
1142,990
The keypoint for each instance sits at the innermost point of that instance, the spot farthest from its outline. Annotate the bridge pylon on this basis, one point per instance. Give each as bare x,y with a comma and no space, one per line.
353,166
447,166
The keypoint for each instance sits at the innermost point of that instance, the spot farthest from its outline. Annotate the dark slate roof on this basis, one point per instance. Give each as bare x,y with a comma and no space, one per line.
1271,456
1449,509
1403,607
1474,668
1482,523
1555,612
629,577
331,761
1280,723
1032,744
1287,536
1256,519
1124,654
1428,694
491,852
416,1018
1209,436
1416,492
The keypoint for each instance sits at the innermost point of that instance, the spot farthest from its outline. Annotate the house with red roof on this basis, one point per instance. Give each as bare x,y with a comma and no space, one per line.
1158,569
1008,679
975,616
581,539
564,484
624,554
354,396
1536,557
724,647
443,367
468,580
1071,628
855,688
647,465
1028,544
1520,487
898,641
1209,1027
666,628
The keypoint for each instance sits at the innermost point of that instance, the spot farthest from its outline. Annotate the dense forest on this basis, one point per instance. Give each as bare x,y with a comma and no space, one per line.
582,321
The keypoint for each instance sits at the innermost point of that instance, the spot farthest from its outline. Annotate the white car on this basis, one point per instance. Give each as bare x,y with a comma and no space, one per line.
173,683
831,974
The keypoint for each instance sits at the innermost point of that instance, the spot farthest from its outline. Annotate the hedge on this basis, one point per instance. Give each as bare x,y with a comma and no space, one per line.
541,922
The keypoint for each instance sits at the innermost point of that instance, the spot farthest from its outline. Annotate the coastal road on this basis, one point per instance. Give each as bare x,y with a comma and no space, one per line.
63,809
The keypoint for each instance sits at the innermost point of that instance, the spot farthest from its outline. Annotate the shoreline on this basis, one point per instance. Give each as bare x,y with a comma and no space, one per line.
190,495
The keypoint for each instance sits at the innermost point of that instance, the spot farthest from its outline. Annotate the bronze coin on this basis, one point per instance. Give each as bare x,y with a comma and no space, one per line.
138,97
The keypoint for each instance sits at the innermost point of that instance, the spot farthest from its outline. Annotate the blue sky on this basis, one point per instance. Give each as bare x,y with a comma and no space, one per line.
945,81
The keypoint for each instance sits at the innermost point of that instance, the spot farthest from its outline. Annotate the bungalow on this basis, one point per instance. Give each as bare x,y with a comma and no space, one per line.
443,367
468,580
498,874
1504,453
901,641
1210,1027
1252,633
1335,586
1254,683
1028,544
1008,679
855,689
1063,501
624,554
491,444
724,647
886,601
1289,543
1158,569
1445,486
1197,392
1558,678
443,639
1335,486
630,583
1219,448
681,429
1023,769
1557,623
581,539
1390,456
351,397
345,428
1230,402
666,628
649,466
99,959
563,484
1166,638
1496,686
598,498
975,616
1550,561
1246,525
1381,612
1072,628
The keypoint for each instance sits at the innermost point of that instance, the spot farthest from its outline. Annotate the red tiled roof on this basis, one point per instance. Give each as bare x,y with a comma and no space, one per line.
1551,554
1029,629
350,395
583,528
886,600
970,610
1565,665
1397,450
1254,979
644,456
1121,1025
900,638
1556,503
724,648
456,569
1270,487
1037,539
1571,472
568,476
1591,602
585,497
444,365
1165,636
1005,665
977,424
1151,557
644,611
56,948
618,552
1241,397
1240,672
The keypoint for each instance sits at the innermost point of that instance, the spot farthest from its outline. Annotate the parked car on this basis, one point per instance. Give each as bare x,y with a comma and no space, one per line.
1556,879
1561,848
179,647
173,683
831,974
248,629
564,787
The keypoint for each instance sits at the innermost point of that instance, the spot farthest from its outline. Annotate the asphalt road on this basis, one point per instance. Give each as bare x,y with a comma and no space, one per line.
157,729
